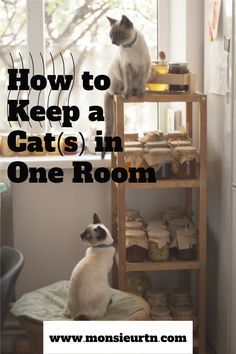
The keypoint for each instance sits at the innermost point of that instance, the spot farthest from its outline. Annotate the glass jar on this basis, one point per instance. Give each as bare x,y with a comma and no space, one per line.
158,67
187,239
133,157
156,298
137,283
178,68
134,225
187,158
160,313
6,151
158,241
136,245
185,313
161,160
156,144
180,298
153,136
132,214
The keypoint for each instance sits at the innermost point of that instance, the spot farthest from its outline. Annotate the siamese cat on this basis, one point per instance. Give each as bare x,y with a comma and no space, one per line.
130,69
89,291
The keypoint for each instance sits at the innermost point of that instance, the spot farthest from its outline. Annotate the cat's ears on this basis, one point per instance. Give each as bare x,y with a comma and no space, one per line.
96,219
125,21
111,20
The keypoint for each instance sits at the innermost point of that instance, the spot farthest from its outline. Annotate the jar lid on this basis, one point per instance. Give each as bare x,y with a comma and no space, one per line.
184,310
176,143
185,64
133,144
134,224
185,149
156,144
160,151
133,150
158,234
187,232
135,233
160,310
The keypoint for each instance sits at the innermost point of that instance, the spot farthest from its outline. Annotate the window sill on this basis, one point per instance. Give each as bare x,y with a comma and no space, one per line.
64,162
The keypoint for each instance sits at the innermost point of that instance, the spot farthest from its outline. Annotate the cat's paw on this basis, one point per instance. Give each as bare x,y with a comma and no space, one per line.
127,94
140,93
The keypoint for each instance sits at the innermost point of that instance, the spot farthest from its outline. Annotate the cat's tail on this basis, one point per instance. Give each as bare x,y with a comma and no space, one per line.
109,116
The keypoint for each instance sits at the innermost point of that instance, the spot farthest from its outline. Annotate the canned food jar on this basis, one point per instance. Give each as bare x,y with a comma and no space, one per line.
153,136
180,298
132,214
187,158
158,241
160,159
137,283
133,157
160,313
158,67
187,240
136,245
178,68
185,313
156,298
156,144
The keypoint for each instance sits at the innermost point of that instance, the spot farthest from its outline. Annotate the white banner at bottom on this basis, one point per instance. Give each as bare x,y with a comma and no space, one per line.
108,337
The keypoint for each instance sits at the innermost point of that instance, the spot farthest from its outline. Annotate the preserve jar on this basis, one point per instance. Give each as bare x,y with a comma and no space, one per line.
156,298
187,239
158,67
156,144
160,313
132,214
158,245
133,157
153,136
187,158
176,143
185,313
161,160
180,298
178,68
136,245
134,225
137,283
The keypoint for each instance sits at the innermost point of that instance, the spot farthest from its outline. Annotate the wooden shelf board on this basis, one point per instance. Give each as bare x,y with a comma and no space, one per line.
165,97
170,183
155,266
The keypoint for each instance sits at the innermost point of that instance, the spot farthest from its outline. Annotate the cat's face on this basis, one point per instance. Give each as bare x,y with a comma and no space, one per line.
96,233
121,31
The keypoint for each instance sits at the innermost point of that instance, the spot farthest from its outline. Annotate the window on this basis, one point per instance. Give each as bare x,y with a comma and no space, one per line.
77,33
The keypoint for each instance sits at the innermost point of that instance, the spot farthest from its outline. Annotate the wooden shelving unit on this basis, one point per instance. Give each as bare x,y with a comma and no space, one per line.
118,204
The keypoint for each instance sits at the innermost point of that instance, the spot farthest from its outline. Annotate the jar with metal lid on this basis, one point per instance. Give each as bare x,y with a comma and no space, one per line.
185,313
178,68
158,241
133,157
187,157
180,298
160,313
136,245
187,240
156,298
161,160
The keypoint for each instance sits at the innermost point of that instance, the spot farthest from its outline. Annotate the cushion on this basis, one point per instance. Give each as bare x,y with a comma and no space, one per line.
49,304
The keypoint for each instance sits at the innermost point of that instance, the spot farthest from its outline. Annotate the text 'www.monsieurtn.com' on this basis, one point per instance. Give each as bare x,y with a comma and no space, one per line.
131,337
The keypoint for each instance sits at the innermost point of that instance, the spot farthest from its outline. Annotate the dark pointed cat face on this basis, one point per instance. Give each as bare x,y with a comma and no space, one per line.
121,31
95,232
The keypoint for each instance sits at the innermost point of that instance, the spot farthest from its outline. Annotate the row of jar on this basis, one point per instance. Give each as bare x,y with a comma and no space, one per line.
180,162
160,239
